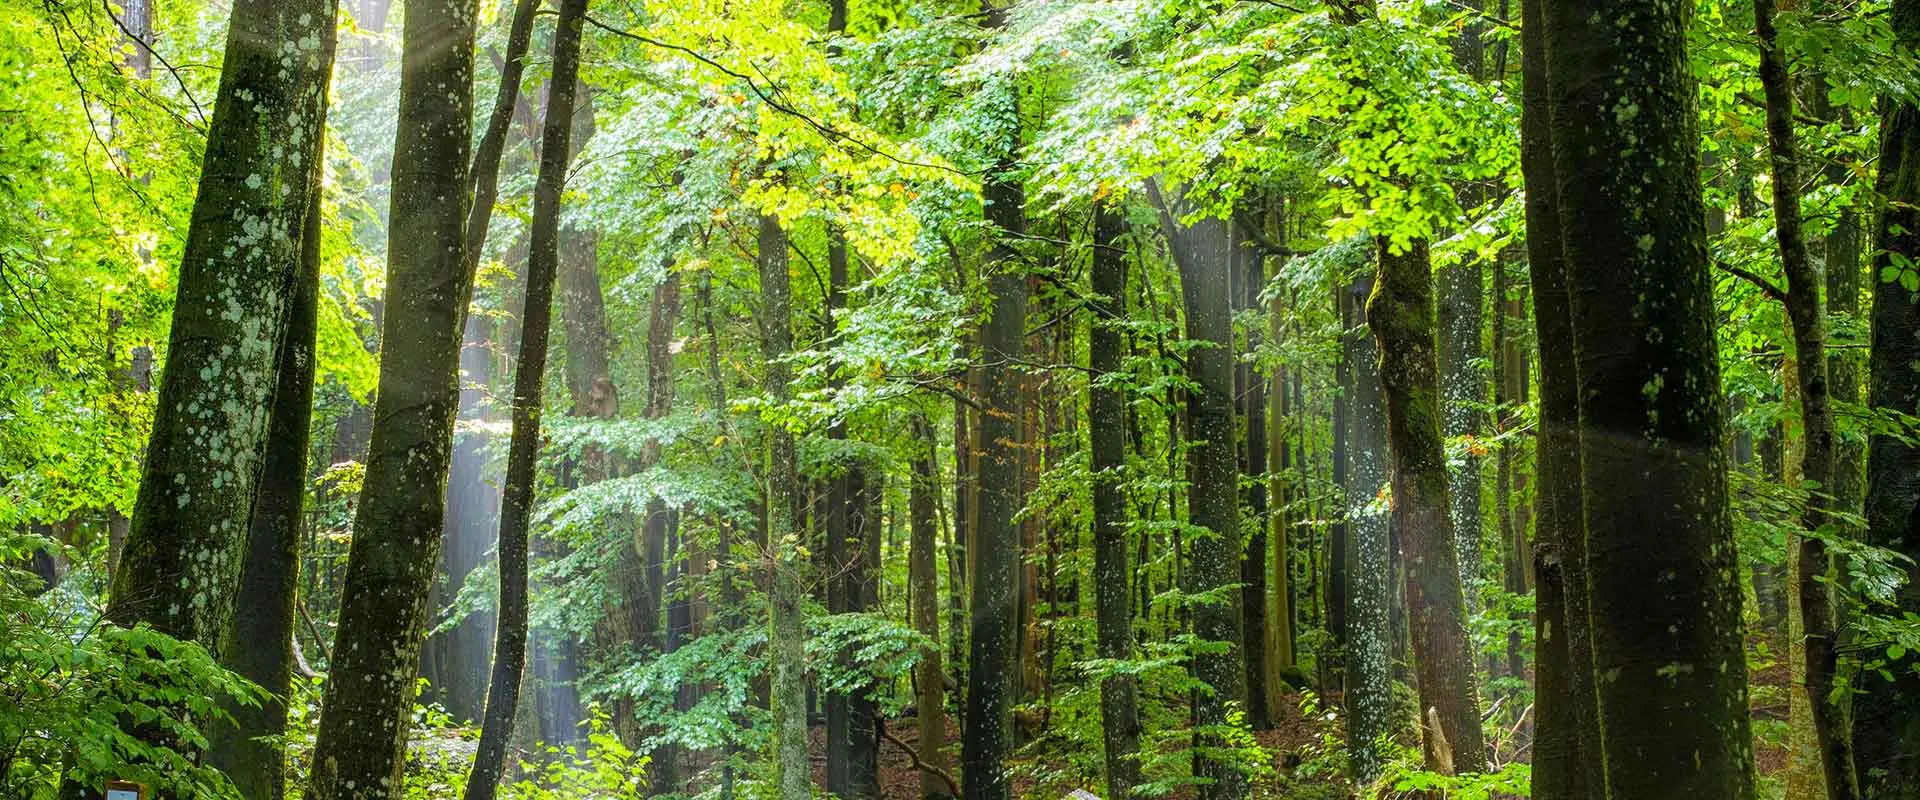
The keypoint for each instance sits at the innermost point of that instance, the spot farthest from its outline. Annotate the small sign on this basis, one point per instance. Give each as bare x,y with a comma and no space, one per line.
125,790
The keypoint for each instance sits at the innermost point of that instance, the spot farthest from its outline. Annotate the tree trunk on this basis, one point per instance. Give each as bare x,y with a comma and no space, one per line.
238,275
259,644
1664,598
1400,313
529,385
994,545
929,682
1887,729
1248,276
360,747
1107,431
1369,632
1203,251
1463,398
787,641
1807,313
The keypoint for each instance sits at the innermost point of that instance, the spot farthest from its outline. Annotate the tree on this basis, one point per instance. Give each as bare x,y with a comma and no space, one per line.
928,682
1369,585
1671,694
529,386
360,747
238,276
787,640
259,644
1807,315
1203,252
1107,447
994,546
1887,728
1401,314
1566,762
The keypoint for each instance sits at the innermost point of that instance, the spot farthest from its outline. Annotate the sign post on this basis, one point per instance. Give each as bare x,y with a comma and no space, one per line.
125,790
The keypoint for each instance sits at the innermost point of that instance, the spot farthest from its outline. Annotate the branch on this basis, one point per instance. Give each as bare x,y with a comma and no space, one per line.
1766,287
930,769
765,96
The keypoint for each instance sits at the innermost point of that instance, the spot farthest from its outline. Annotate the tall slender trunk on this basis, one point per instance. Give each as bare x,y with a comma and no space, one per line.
1887,730
1807,314
1664,599
1107,449
1248,276
787,641
929,682
529,385
1400,313
1203,251
361,744
994,548
1369,632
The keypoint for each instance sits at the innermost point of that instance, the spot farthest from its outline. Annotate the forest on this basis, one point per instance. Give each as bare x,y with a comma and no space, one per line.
960,399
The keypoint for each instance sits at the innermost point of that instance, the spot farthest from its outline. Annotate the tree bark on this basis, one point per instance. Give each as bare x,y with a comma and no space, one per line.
1887,729
1807,315
1664,597
1369,633
259,644
360,747
1203,251
529,385
994,545
929,682
1400,313
787,641
1248,276
1107,449
238,274
1567,756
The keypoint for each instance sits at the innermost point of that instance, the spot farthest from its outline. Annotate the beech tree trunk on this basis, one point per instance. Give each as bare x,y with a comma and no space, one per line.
360,749
929,682
1400,313
787,641
1247,277
1107,448
238,274
529,386
1887,730
1807,315
1664,597
1369,577
1203,251
1566,761
259,643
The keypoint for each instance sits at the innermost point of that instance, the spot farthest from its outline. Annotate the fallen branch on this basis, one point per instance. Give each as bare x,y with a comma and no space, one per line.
953,786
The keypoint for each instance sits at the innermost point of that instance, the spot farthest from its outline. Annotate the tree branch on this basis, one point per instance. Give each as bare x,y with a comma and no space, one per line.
913,754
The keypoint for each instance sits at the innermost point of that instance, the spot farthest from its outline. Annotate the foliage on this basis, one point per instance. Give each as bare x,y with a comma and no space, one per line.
70,679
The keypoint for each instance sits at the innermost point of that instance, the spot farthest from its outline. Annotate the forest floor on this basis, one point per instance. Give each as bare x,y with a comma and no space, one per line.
900,779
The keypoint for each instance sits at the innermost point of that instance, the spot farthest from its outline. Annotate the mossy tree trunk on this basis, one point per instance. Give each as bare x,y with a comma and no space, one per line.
787,642
1566,748
1664,597
1368,662
360,747
238,273
1887,730
1400,313
259,643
